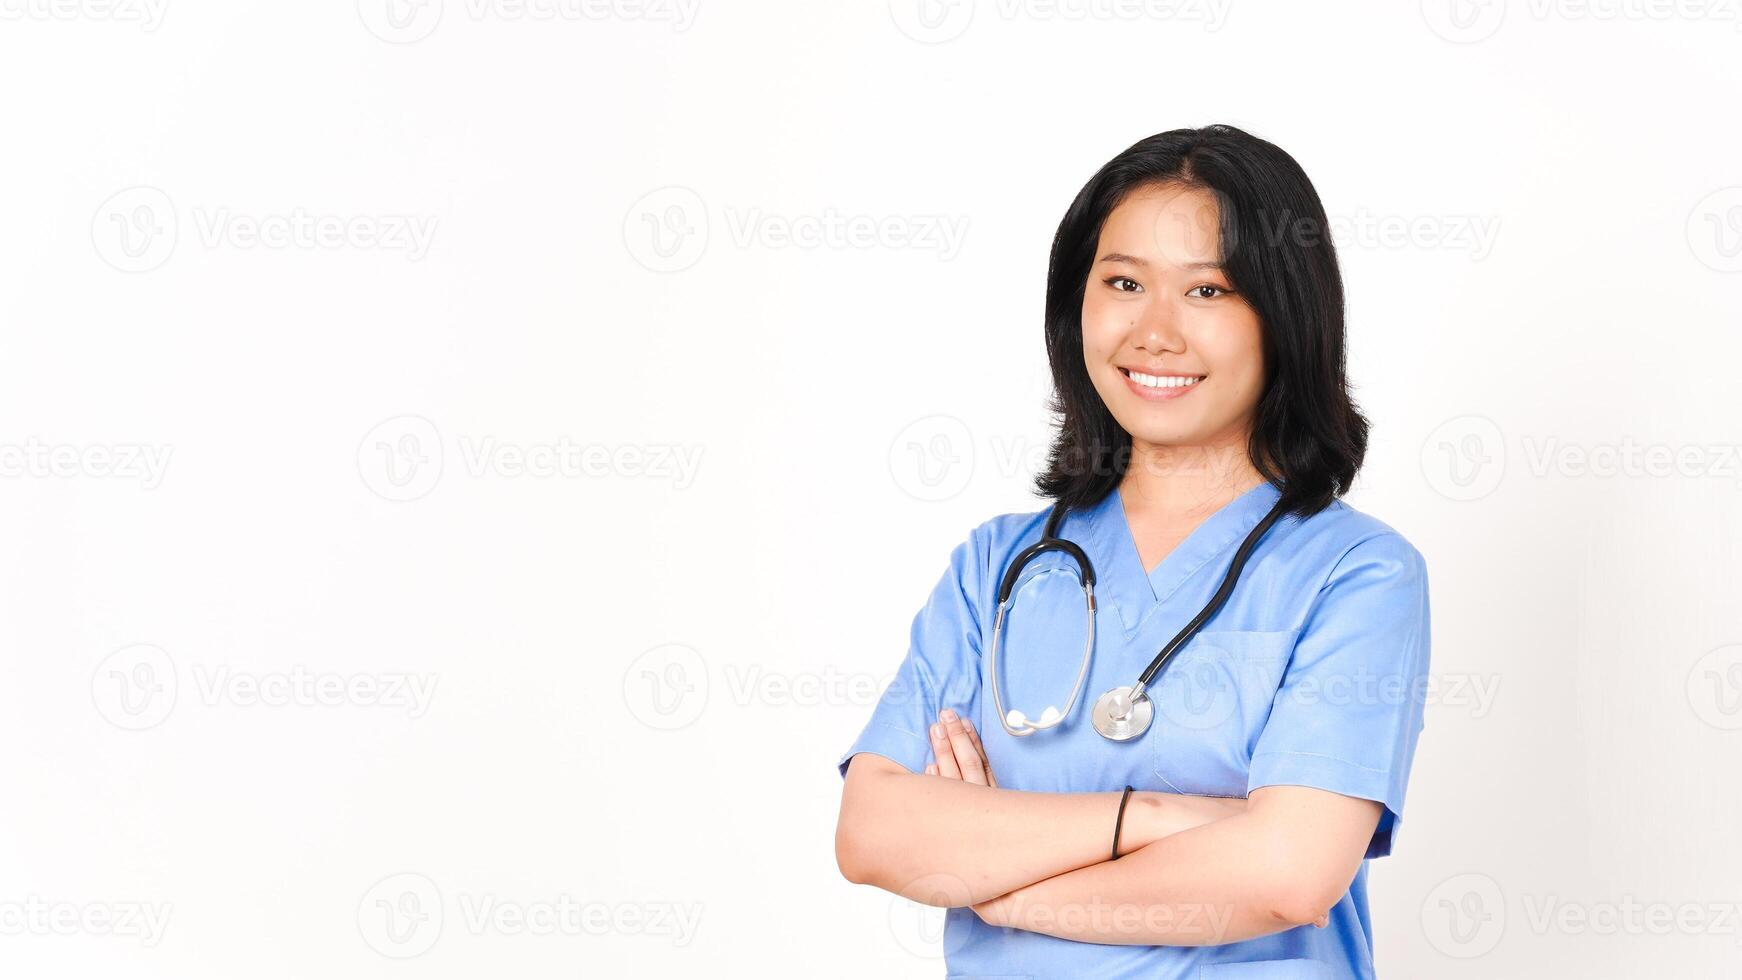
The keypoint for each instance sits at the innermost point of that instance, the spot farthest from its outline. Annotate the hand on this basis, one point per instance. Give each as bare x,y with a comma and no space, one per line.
957,750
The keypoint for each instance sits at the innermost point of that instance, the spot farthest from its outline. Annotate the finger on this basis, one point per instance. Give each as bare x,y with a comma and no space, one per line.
967,759
974,736
941,751
931,769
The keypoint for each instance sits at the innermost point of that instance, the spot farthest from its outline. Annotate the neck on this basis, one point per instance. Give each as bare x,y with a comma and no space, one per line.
1183,480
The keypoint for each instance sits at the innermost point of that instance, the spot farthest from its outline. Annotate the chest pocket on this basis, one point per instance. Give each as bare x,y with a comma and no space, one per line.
1211,703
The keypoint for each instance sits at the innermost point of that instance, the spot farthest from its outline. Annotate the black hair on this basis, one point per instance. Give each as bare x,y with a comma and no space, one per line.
1308,437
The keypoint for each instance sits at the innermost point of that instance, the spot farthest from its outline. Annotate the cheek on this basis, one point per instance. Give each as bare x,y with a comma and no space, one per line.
1234,350
1102,329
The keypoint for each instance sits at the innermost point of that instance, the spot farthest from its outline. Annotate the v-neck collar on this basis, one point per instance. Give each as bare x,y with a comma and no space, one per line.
1120,576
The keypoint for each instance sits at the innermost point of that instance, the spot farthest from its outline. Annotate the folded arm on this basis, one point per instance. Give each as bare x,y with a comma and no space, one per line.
963,840
1282,863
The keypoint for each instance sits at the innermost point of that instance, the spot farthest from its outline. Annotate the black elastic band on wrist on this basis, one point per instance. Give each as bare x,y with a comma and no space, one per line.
1119,822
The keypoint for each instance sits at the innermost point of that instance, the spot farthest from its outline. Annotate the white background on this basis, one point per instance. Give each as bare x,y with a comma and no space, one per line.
645,672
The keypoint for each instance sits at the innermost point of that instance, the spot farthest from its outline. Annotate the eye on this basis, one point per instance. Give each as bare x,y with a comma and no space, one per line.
1118,279
1207,291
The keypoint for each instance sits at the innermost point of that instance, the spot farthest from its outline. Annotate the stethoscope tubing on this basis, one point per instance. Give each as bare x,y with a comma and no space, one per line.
1050,541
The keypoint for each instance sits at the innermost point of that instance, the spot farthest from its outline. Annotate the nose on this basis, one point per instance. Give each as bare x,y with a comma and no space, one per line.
1158,331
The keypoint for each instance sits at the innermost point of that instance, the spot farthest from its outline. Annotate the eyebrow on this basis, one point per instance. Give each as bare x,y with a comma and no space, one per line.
1144,264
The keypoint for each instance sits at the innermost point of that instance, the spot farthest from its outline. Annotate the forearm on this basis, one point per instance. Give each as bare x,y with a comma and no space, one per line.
950,843
1219,883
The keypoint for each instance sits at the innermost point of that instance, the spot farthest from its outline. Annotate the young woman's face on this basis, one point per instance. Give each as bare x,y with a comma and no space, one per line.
1174,352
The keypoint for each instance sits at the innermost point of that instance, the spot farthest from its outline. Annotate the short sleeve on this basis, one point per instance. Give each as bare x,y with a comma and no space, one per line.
941,669
1349,709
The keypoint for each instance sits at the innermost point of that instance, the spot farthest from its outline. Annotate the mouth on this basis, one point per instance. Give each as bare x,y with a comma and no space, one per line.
1161,387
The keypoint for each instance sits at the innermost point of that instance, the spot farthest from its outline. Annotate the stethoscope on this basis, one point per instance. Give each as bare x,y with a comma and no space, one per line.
1123,713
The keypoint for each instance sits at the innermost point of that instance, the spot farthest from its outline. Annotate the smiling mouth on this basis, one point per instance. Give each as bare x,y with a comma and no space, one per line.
1162,381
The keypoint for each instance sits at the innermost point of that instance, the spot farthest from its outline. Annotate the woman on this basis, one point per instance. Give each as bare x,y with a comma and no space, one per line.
1194,324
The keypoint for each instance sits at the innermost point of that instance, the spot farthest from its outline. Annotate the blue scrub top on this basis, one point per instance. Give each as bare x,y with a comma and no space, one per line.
1313,674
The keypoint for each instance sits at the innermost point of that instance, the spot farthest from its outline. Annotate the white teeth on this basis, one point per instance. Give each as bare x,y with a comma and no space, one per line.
1159,381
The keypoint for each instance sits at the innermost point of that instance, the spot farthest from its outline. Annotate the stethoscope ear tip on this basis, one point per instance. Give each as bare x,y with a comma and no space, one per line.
1019,723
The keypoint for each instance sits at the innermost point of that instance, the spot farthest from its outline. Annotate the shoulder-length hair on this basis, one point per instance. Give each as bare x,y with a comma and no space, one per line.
1308,438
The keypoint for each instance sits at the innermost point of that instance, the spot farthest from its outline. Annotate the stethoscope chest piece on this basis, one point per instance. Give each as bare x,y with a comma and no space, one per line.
1118,717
